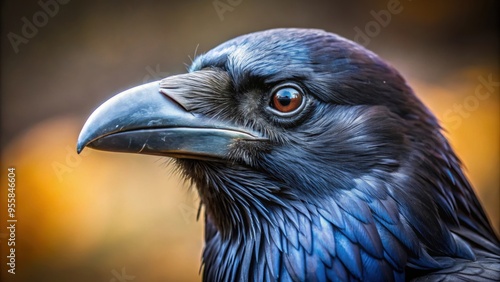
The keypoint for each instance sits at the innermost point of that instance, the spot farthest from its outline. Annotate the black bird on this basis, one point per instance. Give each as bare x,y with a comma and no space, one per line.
314,160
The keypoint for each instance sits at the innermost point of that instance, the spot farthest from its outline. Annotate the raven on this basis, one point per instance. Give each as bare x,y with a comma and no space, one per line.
314,161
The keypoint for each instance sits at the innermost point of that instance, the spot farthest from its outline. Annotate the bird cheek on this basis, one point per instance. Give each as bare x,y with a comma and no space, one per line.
249,152
248,105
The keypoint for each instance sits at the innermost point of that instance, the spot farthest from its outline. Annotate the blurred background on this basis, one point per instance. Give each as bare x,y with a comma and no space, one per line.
116,217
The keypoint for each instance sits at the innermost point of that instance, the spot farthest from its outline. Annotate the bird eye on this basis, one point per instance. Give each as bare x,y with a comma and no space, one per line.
287,99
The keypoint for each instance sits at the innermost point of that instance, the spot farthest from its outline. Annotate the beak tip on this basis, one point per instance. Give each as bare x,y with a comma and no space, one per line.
79,147
83,141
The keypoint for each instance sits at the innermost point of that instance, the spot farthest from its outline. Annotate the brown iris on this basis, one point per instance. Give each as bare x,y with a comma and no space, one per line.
287,99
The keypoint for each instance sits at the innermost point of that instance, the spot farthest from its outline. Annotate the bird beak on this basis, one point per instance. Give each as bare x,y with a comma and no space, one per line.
144,120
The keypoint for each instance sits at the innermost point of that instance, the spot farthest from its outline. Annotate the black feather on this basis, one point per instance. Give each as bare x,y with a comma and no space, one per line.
360,185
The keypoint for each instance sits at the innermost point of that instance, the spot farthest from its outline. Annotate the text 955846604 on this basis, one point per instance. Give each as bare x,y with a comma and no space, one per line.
11,220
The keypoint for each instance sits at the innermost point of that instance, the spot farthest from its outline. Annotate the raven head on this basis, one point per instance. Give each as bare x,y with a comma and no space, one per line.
284,128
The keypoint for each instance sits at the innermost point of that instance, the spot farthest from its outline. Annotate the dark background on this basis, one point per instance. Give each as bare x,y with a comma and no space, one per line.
98,216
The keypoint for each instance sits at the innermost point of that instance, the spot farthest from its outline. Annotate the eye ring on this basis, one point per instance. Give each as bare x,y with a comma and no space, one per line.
287,99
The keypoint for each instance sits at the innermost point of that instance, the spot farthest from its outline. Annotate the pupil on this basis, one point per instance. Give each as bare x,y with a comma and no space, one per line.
284,100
